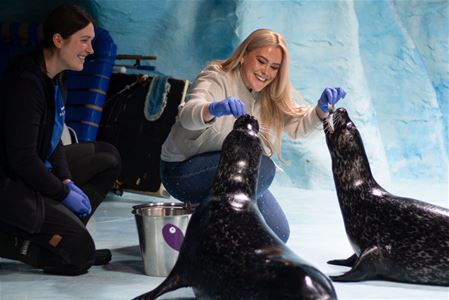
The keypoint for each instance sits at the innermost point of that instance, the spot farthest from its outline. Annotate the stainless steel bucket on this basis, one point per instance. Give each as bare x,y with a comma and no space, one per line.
161,227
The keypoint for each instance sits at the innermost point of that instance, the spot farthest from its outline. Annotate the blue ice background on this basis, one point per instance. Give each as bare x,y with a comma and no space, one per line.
391,56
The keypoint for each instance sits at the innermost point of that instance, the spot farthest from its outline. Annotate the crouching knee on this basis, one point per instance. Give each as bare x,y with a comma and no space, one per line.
77,255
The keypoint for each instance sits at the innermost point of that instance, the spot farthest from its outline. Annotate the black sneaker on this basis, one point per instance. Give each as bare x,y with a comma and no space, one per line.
102,257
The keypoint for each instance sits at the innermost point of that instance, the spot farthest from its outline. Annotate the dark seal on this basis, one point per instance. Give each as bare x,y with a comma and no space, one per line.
394,238
229,252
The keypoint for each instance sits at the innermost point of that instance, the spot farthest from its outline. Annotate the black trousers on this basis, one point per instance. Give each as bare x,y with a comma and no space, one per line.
63,245
94,167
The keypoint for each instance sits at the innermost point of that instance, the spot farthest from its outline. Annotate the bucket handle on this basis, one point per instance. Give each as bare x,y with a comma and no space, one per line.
190,206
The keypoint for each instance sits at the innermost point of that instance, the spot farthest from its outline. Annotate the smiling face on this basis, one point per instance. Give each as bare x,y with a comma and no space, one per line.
74,49
260,67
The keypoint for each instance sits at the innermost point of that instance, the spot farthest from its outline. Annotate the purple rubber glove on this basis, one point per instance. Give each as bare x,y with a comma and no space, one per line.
73,187
74,202
228,106
330,96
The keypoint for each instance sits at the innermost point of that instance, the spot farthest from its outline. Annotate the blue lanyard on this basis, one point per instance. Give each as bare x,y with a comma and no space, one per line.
58,126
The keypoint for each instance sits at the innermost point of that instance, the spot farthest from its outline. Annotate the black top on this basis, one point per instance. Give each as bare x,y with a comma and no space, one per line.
27,111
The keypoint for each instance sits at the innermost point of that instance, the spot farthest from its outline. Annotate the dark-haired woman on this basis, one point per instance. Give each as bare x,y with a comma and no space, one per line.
48,191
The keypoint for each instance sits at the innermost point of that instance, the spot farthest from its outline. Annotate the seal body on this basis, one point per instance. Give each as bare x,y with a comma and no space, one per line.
394,238
228,251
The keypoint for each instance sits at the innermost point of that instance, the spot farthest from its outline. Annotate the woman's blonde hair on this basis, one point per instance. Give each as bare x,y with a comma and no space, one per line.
276,98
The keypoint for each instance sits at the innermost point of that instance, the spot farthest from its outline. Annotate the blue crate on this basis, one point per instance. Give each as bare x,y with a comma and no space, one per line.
86,132
88,87
90,114
98,66
103,44
85,97
80,81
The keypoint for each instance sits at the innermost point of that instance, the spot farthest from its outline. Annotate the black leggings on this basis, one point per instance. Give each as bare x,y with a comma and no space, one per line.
63,245
94,167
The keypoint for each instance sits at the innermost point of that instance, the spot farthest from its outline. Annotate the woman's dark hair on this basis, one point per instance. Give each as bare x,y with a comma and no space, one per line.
66,19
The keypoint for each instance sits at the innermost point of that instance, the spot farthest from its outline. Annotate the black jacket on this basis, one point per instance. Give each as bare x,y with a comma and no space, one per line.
27,111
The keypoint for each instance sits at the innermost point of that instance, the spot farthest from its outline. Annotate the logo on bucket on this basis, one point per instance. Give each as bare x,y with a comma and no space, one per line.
173,236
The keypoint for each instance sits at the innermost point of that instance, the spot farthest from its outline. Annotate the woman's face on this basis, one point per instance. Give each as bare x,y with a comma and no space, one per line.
260,67
74,49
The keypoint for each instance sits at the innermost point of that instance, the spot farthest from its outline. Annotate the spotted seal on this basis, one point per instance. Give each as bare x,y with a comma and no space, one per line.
394,238
228,251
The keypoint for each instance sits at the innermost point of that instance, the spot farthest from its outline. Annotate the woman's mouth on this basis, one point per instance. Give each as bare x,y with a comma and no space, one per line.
260,78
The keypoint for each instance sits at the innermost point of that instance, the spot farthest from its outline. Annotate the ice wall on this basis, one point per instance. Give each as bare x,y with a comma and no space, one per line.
399,49
391,56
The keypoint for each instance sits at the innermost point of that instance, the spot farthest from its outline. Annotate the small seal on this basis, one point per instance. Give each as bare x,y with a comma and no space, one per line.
394,238
228,251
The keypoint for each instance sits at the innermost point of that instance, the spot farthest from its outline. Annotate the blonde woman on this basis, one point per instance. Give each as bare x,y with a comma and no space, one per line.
253,80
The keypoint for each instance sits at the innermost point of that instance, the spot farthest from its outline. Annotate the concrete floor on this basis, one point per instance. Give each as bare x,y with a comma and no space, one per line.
317,236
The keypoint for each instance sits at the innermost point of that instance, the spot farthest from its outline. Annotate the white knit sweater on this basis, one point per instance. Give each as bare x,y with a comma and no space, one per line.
190,135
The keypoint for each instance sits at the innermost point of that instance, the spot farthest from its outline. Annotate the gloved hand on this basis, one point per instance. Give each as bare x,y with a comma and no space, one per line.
330,96
73,187
228,106
75,203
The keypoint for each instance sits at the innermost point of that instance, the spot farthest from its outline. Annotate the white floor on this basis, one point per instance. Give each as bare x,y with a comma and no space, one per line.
317,236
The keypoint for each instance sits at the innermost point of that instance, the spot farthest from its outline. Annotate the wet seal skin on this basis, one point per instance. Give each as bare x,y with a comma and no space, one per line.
394,238
228,251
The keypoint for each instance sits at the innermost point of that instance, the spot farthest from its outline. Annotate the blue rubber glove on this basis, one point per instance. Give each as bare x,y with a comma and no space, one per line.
330,96
74,202
228,106
73,187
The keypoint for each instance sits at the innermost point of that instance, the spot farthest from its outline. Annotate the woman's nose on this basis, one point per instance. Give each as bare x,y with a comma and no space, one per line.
90,49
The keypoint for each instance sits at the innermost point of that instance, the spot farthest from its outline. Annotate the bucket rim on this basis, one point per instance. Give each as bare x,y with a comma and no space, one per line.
181,205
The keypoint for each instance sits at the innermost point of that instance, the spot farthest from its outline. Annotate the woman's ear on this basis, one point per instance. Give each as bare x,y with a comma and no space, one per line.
58,41
242,59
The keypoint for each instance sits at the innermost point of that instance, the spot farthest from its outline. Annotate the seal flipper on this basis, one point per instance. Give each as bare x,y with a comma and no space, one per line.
171,283
365,268
349,262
